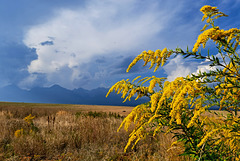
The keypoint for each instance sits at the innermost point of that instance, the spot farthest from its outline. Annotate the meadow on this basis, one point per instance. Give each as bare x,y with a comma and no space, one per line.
74,132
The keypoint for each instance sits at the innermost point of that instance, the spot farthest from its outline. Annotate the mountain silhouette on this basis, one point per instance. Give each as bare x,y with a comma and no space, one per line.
60,95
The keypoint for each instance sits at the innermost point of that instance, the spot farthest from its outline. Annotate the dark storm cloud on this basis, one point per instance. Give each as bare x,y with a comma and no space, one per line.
122,65
14,61
17,16
47,43
100,60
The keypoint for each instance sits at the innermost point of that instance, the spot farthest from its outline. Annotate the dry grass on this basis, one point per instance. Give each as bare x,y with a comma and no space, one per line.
46,109
67,133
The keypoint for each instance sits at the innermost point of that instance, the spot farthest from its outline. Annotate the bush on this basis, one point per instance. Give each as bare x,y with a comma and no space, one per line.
179,107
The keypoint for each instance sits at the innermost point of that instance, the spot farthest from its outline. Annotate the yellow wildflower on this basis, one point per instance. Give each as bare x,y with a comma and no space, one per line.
210,11
18,133
135,78
209,134
203,38
174,143
163,52
157,129
152,85
29,118
154,100
136,60
196,115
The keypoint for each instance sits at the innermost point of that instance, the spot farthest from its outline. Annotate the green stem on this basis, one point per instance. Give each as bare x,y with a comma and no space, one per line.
188,137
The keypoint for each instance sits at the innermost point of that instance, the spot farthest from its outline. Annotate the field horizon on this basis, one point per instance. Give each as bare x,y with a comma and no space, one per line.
122,110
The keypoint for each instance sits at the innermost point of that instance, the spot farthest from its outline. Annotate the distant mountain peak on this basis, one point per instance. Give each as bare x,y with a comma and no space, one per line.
58,94
56,86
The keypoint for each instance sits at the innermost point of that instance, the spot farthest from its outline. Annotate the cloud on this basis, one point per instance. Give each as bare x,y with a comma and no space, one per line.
13,63
67,43
180,67
47,43
90,43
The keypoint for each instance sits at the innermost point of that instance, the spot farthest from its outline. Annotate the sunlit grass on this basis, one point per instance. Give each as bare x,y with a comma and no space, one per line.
73,134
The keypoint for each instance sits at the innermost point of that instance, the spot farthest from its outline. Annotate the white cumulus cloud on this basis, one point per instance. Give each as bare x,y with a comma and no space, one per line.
180,67
67,42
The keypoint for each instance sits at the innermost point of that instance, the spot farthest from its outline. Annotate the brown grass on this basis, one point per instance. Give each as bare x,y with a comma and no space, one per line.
46,109
68,132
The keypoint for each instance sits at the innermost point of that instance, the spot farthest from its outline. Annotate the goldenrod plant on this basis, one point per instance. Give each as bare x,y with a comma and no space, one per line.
31,127
180,106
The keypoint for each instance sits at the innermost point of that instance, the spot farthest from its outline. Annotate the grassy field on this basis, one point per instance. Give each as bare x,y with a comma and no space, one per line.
41,109
74,132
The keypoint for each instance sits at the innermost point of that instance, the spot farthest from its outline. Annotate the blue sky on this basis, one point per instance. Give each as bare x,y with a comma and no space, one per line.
90,43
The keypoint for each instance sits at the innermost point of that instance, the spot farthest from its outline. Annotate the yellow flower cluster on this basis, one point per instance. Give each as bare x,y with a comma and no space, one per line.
135,135
203,38
181,91
142,112
132,117
230,95
129,89
152,85
158,57
154,100
230,139
209,134
210,11
232,69
137,116
18,133
216,34
223,133
29,119
198,110
230,92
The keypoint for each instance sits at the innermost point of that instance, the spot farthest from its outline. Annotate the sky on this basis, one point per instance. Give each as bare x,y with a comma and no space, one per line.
90,43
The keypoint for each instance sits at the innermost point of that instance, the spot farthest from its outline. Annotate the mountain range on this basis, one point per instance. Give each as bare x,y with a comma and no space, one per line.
60,95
